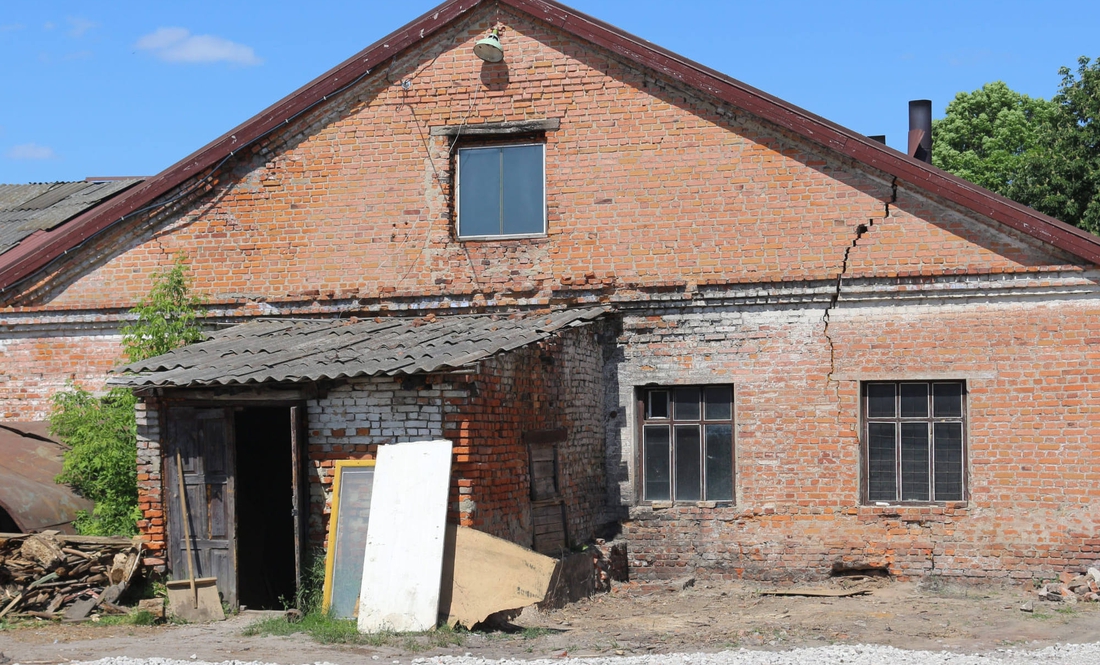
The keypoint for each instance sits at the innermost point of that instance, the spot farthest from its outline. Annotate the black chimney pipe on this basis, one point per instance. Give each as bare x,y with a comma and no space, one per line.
920,129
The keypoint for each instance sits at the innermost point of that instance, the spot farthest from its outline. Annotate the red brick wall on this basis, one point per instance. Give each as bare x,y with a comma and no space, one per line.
1032,425
33,367
556,384
655,195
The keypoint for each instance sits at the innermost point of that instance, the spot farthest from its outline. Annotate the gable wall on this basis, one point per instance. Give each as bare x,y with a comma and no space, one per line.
646,184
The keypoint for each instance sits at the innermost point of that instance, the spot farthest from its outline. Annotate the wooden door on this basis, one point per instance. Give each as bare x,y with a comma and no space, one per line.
547,504
204,439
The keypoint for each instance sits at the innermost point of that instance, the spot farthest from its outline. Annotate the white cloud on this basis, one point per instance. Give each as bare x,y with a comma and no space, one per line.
78,26
179,45
30,151
11,27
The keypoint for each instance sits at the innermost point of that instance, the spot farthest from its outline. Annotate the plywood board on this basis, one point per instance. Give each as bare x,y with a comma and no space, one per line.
347,538
483,574
404,552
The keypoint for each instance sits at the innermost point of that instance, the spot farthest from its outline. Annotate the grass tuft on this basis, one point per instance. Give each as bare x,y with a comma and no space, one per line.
328,630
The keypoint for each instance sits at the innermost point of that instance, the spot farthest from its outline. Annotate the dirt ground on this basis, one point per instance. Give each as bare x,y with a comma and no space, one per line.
632,619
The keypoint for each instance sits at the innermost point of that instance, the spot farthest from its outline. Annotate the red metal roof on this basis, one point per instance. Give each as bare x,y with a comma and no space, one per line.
39,250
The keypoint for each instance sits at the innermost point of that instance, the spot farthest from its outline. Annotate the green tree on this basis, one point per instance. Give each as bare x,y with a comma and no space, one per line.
986,135
101,431
1061,176
101,460
167,318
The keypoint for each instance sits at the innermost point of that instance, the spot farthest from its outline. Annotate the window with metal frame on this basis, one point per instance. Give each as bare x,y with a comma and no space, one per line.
914,435
501,191
687,443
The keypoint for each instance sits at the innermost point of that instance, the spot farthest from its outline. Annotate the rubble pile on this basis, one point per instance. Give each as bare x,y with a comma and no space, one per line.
1073,588
49,575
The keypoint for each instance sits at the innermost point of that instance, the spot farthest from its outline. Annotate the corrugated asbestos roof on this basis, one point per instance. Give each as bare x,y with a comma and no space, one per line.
269,350
25,209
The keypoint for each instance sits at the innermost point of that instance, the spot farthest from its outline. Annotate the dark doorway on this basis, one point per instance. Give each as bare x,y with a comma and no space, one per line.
265,508
7,524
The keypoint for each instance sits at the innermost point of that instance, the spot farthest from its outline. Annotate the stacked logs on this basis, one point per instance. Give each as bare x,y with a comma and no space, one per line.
49,575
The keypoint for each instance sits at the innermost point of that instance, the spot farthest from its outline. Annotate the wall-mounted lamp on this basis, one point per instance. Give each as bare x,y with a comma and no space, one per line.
489,49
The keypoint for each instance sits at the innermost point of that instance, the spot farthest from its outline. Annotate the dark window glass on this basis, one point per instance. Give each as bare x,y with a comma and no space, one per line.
658,404
719,404
947,400
687,443
915,452
687,463
914,462
719,467
914,400
658,479
686,403
948,461
880,400
501,191
883,467
523,197
479,198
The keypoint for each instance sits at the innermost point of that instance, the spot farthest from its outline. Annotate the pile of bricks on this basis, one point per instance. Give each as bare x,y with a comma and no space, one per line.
1073,588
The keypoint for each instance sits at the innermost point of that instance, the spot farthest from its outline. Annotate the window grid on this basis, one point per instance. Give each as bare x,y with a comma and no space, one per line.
924,436
687,443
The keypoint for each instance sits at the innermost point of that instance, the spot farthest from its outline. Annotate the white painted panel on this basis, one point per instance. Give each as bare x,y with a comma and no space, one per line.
405,530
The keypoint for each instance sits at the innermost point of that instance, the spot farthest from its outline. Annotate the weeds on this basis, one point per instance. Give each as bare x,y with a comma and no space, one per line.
533,632
329,630
135,618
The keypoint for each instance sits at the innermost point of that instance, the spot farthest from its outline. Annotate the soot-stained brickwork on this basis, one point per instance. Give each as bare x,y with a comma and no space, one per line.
733,251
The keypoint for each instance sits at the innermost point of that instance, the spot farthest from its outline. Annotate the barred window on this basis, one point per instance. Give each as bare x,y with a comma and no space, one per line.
687,443
914,440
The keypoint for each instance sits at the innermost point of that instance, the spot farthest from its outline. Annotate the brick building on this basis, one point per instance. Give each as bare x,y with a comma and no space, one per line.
815,353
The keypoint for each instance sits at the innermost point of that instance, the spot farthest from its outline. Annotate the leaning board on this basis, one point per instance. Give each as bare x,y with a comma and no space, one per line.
404,553
347,537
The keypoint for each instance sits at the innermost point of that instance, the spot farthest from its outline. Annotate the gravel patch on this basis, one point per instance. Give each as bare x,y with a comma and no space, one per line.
856,654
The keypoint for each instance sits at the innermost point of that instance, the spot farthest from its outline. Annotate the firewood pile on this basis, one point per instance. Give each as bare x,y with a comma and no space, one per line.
49,575
1073,588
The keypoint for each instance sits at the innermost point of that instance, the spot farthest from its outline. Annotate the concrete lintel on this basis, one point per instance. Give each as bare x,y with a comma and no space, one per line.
510,128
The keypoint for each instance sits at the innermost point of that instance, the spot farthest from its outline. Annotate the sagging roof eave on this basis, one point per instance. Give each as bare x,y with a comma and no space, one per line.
41,250
148,381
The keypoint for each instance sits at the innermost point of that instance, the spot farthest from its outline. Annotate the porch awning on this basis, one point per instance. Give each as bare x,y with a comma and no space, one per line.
303,350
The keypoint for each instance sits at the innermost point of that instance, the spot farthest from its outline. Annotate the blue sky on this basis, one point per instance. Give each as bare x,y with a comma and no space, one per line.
128,88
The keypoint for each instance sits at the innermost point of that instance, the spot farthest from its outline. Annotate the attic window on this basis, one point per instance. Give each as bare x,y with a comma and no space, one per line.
501,191
500,184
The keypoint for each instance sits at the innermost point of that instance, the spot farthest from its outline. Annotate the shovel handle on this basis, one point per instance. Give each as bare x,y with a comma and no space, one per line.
186,530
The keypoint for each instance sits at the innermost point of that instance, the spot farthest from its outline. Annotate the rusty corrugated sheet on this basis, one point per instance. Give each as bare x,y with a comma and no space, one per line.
29,462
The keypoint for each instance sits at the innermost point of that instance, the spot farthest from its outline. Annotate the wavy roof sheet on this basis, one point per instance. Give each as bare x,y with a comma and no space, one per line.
291,351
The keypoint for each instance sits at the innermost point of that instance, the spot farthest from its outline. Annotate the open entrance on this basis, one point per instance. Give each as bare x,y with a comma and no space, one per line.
266,544
7,523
